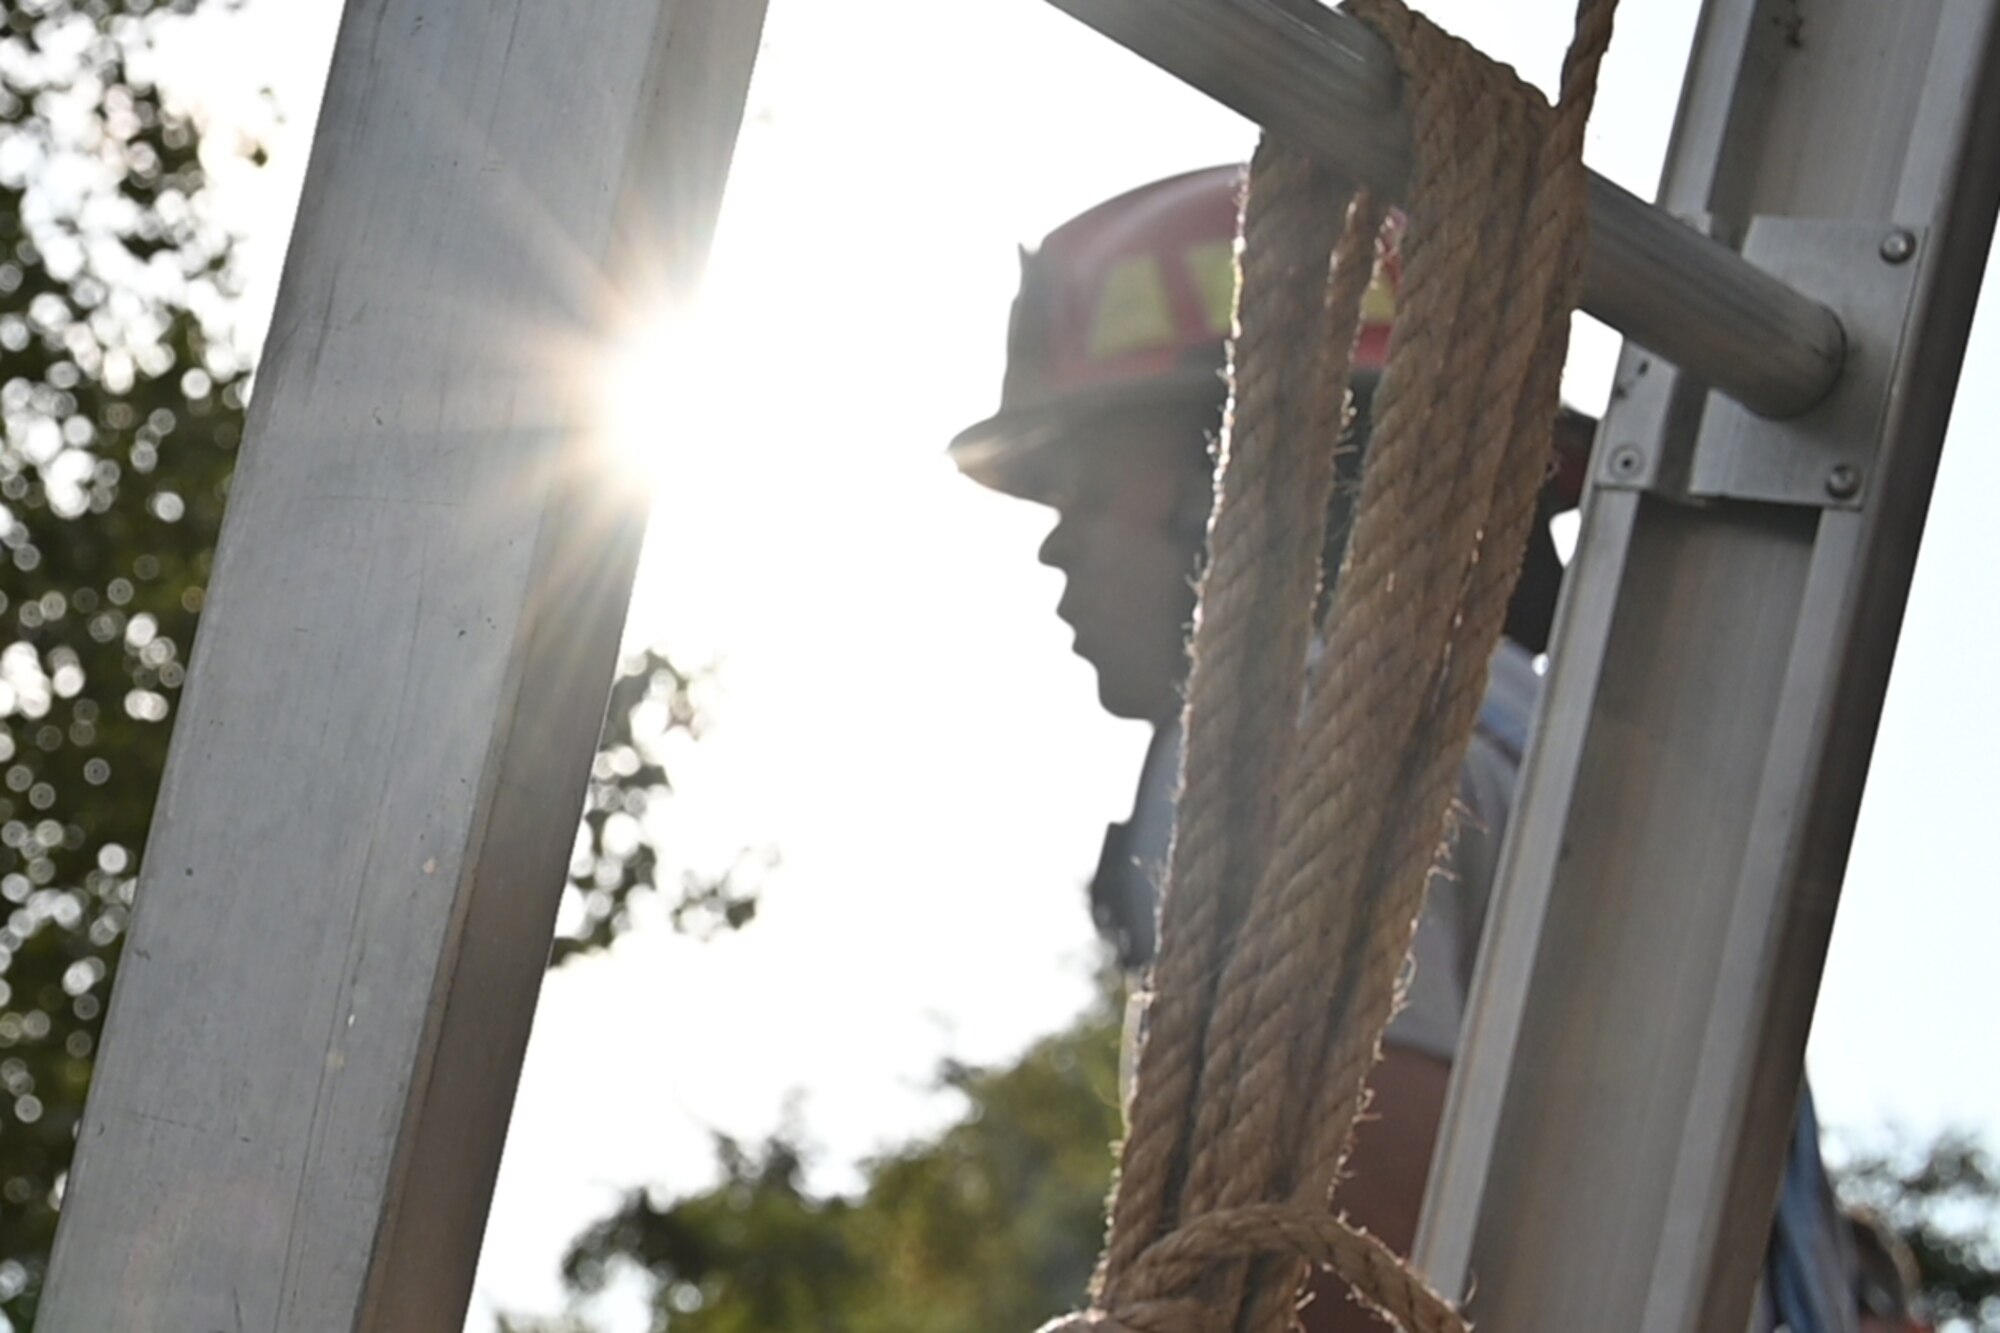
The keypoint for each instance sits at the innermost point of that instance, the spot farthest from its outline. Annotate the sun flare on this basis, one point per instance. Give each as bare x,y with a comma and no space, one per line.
656,385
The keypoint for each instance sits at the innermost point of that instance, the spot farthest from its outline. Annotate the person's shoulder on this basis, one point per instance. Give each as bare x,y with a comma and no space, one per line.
1491,768
1512,688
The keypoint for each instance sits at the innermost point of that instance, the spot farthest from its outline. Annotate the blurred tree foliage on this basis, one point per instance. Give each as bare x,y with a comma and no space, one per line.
121,406
992,1224
995,1222
1943,1199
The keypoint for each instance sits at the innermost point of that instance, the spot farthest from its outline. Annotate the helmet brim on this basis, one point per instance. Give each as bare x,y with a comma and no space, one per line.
1030,451
1025,451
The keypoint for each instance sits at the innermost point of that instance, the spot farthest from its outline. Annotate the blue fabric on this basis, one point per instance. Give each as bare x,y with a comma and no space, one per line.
1506,722
1807,1270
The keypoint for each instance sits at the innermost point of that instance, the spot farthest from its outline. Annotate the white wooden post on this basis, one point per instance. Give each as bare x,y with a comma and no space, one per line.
348,895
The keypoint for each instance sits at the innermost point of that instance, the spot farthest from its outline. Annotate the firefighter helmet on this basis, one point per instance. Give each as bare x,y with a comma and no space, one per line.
1127,306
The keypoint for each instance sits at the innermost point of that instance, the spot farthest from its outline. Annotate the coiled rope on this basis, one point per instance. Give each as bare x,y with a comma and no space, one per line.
1313,804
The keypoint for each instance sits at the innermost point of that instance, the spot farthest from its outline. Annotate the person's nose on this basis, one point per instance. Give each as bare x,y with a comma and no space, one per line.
1059,547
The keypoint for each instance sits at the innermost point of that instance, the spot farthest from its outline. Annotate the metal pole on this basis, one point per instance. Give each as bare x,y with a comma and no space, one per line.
373,791
1632,1055
1322,78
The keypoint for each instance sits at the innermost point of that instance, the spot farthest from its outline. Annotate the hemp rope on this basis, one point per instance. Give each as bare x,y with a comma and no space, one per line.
1314,804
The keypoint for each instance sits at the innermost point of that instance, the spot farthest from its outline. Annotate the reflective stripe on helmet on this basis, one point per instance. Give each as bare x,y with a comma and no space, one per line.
1133,312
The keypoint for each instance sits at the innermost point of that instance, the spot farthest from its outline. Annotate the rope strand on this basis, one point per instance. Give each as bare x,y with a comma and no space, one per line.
1313,805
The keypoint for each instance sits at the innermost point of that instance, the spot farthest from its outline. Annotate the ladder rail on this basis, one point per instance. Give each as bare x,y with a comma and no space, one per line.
1326,80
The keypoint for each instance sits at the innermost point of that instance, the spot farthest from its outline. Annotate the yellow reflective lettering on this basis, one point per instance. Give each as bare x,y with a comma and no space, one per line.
1378,303
1132,310
1212,265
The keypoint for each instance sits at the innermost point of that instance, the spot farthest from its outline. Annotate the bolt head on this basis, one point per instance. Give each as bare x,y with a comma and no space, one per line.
1627,461
1843,482
1898,246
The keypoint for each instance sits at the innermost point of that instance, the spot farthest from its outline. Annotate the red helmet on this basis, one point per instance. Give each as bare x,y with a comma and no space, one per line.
1126,306
1126,309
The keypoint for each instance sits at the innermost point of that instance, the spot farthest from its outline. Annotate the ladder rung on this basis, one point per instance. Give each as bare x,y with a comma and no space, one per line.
1326,80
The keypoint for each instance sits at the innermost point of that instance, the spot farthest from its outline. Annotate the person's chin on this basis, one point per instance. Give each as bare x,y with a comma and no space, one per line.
1138,706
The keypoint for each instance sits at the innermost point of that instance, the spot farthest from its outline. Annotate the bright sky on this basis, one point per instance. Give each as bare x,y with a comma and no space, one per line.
900,716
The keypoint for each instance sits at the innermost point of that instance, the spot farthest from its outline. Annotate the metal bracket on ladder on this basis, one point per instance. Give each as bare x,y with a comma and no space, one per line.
1866,274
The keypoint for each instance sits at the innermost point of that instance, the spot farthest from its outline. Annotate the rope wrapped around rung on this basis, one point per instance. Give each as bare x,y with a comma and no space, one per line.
1314,800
